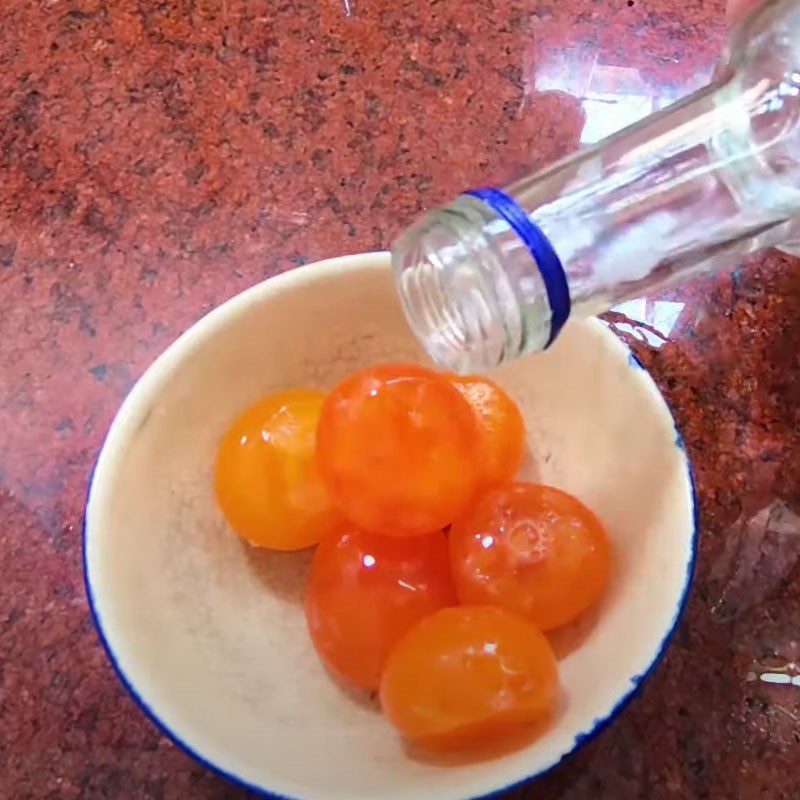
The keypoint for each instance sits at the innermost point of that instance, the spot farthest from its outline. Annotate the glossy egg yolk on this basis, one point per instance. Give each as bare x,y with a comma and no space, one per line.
364,593
531,549
500,426
467,675
267,480
398,449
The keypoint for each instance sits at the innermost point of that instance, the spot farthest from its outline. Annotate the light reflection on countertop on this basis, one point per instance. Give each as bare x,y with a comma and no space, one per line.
612,96
650,321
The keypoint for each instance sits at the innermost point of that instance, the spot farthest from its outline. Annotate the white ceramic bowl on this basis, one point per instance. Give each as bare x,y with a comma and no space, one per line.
208,634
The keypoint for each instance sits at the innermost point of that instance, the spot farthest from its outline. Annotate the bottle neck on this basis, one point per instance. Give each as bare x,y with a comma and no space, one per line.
682,192
670,197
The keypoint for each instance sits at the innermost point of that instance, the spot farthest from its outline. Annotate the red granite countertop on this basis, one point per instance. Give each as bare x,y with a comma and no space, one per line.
156,157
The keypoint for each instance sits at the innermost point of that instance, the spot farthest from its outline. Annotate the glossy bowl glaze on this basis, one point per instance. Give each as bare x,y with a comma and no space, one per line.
208,634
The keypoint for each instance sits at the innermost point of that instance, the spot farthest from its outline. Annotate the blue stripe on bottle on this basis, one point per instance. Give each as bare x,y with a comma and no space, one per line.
550,267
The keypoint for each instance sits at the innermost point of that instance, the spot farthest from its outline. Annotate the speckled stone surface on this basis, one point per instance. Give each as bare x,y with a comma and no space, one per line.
157,157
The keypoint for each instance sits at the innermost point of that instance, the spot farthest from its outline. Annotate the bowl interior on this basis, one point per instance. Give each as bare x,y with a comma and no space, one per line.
209,634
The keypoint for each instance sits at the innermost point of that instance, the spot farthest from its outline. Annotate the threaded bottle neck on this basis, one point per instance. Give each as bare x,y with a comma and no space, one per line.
458,272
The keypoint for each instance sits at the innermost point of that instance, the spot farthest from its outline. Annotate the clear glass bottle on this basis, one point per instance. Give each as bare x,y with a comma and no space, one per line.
681,192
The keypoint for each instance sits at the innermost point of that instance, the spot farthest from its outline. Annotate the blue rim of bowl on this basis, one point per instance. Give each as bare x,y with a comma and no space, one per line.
581,739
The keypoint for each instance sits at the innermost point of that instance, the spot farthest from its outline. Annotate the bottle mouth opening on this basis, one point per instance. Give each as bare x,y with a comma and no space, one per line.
454,333
449,293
